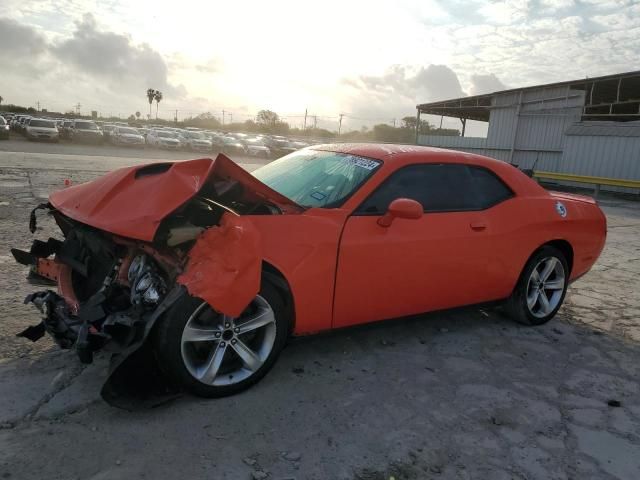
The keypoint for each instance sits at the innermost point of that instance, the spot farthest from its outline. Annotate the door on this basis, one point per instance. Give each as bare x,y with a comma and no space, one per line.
438,261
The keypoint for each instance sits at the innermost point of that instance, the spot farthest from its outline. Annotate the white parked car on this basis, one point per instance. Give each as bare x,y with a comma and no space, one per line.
41,129
163,139
196,141
127,137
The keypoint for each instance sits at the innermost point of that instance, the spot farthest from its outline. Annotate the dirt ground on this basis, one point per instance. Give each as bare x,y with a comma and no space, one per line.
456,395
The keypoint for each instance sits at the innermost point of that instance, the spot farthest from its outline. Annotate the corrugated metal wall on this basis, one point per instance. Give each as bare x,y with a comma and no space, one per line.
528,129
602,156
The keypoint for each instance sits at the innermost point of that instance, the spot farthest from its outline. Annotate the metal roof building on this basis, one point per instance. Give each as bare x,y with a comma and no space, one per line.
588,127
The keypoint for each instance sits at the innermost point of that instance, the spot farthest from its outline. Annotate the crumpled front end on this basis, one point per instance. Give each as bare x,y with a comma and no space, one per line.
112,288
107,288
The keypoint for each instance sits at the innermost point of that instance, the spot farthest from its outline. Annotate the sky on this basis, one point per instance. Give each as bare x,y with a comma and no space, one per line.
372,61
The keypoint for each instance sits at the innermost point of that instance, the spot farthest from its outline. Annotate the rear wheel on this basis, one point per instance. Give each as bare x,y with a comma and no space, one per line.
541,288
213,355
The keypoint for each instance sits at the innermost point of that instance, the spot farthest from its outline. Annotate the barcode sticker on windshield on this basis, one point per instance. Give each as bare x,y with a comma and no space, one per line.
363,162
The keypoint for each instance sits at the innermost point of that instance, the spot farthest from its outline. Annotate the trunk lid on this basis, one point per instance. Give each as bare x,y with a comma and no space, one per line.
572,196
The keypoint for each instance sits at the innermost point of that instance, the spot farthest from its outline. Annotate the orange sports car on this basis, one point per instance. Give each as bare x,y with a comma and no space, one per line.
213,268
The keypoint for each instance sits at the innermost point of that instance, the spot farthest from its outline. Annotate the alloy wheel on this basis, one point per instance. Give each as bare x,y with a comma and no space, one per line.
545,287
219,350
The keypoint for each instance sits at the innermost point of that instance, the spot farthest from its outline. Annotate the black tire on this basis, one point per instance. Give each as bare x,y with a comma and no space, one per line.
517,307
167,342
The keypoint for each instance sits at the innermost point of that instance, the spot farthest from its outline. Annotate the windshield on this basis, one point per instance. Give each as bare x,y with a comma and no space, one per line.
86,126
313,178
42,123
195,135
128,131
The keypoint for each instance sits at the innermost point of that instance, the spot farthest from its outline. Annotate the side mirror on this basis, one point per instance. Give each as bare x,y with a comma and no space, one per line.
401,208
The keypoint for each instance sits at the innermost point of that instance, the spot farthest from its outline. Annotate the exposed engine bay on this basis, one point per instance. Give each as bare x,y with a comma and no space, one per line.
112,288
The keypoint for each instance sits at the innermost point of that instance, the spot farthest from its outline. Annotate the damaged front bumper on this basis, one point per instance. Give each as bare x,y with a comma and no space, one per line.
123,262
107,290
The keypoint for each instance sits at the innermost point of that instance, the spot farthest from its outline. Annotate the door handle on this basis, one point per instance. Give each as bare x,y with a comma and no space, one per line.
478,226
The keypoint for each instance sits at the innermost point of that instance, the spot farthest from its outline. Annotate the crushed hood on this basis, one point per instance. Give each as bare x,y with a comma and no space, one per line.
133,201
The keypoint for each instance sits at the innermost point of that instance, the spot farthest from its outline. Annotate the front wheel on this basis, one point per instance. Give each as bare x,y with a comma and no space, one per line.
541,288
212,355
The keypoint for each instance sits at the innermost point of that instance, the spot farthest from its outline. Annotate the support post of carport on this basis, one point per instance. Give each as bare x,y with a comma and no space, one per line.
418,127
464,125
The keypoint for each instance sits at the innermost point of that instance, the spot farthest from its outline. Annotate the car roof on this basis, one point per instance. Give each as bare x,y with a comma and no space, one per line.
397,156
391,153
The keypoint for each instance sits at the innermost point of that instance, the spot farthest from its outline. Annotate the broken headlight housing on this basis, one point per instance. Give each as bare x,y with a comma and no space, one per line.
147,285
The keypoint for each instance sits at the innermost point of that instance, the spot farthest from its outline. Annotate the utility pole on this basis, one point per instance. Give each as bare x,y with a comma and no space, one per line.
394,123
340,123
38,104
78,108
304,127
175,118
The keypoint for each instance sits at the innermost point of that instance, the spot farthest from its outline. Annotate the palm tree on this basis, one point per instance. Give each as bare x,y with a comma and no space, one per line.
158,97
151,93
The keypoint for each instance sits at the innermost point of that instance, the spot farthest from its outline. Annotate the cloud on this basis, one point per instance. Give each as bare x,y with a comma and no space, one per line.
485,84
436,82
397,91
115,58
19,40
213,65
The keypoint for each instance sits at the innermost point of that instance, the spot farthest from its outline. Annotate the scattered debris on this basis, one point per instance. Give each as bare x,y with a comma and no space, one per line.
496,421
118,462
298,370
557,331
259,475
6,426
614,403
292,456
250,461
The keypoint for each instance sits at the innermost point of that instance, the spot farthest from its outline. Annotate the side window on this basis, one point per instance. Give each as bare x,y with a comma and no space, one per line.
438,187
490,190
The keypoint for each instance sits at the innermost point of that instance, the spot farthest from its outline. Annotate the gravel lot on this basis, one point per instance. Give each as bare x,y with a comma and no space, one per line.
461,395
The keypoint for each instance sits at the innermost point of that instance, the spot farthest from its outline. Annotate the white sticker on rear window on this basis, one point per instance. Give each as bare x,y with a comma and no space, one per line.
362,162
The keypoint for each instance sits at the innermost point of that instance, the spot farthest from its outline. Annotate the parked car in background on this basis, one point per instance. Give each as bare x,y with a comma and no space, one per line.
4,129
13,124
106,131
65,130
279,146
163,139
85,131
42,129
233,145
256,147
127,137
22,122
196,141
